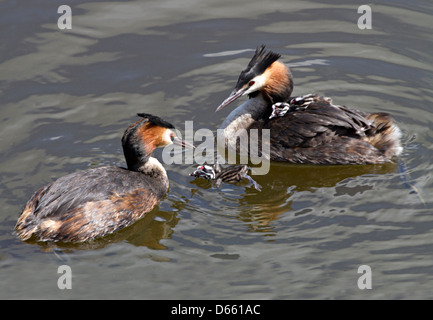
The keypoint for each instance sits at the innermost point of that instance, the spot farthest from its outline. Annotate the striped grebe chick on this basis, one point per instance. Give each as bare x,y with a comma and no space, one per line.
229,174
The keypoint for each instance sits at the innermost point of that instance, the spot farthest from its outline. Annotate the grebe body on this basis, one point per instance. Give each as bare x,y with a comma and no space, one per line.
308,129
92,203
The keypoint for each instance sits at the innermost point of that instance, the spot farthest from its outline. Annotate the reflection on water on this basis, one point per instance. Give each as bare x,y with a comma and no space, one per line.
66,97
148,232
260,209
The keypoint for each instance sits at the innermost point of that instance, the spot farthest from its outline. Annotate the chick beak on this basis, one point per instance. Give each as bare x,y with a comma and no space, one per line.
232,97
182,143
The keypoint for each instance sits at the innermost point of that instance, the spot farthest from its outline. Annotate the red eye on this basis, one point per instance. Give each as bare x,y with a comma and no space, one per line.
251,83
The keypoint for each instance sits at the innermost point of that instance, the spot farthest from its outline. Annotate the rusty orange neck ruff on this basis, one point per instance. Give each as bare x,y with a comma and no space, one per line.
278,84
139,142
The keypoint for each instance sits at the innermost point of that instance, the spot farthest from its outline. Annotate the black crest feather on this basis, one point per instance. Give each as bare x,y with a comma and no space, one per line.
157,121
261,60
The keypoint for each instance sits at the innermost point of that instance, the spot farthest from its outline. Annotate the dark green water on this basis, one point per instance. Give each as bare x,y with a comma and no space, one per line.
66,96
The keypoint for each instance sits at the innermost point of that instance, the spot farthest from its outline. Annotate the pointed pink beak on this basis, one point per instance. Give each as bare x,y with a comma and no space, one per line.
232,97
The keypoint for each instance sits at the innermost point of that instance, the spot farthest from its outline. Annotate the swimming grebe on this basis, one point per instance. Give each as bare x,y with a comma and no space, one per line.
230,174
95,202
309,129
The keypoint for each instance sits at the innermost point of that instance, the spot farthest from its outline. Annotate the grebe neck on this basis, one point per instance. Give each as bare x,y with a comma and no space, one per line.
154,169
138,159
243,116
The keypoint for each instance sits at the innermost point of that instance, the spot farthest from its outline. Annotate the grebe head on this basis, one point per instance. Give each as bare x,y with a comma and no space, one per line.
204,171
279,109
144,136
265,75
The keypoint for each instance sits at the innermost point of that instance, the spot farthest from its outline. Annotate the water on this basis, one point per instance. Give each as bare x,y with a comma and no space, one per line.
66,96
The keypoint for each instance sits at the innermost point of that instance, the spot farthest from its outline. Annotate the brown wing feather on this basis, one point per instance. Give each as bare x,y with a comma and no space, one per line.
98,218
87,204
323,133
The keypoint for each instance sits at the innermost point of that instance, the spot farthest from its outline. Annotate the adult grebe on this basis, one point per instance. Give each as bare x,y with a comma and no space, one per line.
313,130
95,202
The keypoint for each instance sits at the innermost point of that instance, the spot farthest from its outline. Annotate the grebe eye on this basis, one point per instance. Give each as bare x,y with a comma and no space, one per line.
172,136
251,83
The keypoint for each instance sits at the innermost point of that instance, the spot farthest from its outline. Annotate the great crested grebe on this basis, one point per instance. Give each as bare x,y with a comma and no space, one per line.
230,174
309,129
92,203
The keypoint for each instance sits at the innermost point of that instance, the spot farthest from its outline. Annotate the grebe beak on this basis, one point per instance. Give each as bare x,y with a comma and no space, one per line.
232,97
182,143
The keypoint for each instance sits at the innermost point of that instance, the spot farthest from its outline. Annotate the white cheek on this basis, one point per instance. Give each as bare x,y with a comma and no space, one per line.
167,137
259,83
